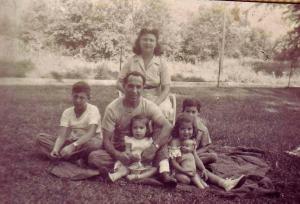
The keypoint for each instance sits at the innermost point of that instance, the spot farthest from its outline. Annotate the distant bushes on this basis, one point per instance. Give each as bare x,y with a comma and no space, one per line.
98,71
9,68
276,68
104,71
180,77
245,70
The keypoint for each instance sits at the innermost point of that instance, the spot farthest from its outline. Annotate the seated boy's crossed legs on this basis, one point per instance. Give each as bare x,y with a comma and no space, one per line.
45,144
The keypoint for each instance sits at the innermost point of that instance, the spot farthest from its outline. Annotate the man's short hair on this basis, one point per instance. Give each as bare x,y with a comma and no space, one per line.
81,86
188,102
134,73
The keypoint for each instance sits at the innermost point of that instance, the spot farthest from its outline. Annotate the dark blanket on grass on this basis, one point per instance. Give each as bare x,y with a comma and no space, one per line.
232,162
235,161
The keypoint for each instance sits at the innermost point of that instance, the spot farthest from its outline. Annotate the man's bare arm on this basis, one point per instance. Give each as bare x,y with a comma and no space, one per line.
62,135
109,147
165,132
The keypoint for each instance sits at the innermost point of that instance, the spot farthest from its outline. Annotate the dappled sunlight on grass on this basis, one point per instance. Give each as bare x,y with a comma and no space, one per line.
235,117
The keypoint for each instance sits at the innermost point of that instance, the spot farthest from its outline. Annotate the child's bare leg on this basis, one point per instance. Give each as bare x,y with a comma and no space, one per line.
150,172
146,174
45,143
198,181
226,184
182,178
121,172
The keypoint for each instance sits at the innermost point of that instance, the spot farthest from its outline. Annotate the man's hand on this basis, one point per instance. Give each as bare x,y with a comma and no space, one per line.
135,157
67,151
149,153
124,158
55,154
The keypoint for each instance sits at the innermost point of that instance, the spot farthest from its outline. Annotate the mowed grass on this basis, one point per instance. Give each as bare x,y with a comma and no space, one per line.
264,118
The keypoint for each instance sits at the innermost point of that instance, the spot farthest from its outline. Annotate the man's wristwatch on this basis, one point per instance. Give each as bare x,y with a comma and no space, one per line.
155,145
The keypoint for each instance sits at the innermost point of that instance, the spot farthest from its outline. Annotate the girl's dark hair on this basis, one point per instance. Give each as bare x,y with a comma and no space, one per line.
188,102
137,47
82,86
183,118
146,120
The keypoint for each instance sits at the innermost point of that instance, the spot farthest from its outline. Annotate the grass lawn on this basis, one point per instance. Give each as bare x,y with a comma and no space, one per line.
264,118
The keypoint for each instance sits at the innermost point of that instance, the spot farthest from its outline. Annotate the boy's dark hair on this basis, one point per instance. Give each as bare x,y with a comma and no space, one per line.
82,86
188,102
143,118
137,47
183,118
134,73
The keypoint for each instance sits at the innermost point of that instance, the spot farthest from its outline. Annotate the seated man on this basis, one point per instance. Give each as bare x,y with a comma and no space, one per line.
115,126
80,129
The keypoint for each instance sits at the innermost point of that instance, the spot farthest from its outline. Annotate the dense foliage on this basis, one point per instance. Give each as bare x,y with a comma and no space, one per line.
289,46
98,29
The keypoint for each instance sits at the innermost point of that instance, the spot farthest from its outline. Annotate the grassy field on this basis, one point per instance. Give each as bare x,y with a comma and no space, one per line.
264,118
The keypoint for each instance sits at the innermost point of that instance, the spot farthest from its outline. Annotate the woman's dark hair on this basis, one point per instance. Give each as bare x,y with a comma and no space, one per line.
188,102
183,118
82,86
137,47
143,118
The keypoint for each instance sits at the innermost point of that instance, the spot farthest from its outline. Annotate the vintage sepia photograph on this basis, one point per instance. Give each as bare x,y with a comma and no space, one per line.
149,101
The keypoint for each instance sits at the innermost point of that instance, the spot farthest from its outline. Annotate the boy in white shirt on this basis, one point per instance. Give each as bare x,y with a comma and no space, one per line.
80,128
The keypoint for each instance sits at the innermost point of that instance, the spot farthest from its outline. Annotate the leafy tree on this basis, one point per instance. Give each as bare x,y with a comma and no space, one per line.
289,47
202,35
98,29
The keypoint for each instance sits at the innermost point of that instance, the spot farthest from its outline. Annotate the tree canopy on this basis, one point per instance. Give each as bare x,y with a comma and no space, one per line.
289,46
98,29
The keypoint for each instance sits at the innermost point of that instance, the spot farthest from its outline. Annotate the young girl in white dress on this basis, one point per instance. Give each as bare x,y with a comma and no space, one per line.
139,140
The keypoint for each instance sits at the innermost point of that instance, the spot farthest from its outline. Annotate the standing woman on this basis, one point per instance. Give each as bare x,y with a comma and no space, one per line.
147,60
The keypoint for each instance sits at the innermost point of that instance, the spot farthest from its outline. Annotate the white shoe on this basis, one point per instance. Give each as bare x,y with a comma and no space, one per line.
113,177
234,183
295,152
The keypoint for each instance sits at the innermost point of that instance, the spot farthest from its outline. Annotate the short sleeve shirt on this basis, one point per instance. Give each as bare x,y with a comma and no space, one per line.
205,138
156,73
79,126
117,118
